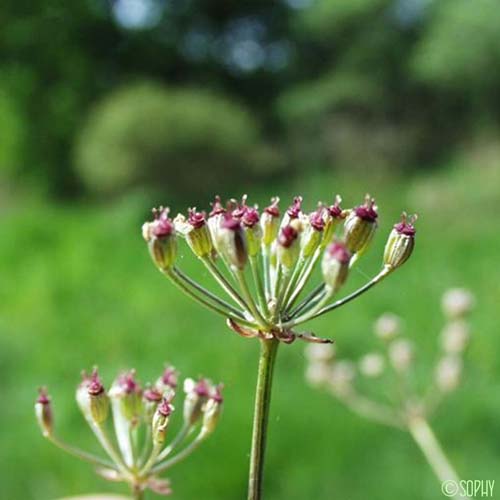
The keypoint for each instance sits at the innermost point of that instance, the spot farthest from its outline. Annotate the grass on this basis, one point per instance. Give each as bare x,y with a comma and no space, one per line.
78,289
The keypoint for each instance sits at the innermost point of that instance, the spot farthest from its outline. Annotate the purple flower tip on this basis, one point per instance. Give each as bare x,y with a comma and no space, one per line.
240,209
128,382
295,208
250,217
202,388
95,386
151,394
43,396
217,394
165,408
338,251
196,219
287,236
169,377
406,225
335,210
217,207
316,219
367,211
231,223
162,225
273,208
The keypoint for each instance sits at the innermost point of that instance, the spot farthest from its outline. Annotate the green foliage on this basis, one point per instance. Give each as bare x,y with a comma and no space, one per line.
188,138
460,48
11,136
78,289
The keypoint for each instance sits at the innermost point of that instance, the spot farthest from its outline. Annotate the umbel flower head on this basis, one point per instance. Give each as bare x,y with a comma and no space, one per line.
140,449
264,262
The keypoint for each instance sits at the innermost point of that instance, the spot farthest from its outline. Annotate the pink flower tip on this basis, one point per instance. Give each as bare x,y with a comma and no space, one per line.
202,388
169,377
367,211
273,208
162,226
335,210
43,396
217,207
339,251
250,217
129,383
196,219
316,219
295,208
151,394
287,236
406,225
165,408
217,394
231,223
95,386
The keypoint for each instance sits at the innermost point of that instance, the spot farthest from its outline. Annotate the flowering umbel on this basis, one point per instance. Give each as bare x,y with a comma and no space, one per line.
407,409
139,451
280,255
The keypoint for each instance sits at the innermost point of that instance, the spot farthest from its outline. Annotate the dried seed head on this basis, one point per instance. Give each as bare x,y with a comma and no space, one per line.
457,302
401,354
455,337
372,365
269,222
387,326
448,373
400,243
198,236
335,265
43,412
360,226
161,239
231,242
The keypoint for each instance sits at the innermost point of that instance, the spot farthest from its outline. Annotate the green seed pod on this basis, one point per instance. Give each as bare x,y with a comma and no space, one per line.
197,394
288,247
360,226
98,400
332,215
400,243
212,411
161,239
127,395
269,222
253,230
198,236
232,243
313,233
335,266
160,421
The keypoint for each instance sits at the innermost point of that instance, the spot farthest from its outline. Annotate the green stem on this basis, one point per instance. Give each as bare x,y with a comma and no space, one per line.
254,311
181,455
311,297
429,445
268,353
267,272
181,435
256,268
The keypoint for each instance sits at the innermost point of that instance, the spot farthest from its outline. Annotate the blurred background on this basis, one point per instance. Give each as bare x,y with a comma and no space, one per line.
110,107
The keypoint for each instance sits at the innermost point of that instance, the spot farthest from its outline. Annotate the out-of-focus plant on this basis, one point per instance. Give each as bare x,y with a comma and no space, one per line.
406,408
148,133
264,263
140,419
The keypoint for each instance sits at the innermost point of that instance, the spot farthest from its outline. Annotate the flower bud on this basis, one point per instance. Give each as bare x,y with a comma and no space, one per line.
160,421
197,394
215,220
231,242
127,393
387,326
43,412
401,354
371,365
332,216
457,302
253,230
167,383
360,226
288,247
98,400
335,266
313,233
448,373
212,411
293,212
161,239
198,234
269,222
152,397
400,243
